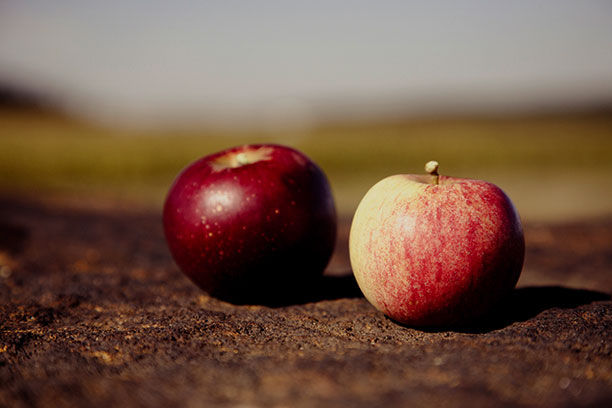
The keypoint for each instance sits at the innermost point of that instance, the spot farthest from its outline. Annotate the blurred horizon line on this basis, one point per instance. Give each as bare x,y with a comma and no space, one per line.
301,113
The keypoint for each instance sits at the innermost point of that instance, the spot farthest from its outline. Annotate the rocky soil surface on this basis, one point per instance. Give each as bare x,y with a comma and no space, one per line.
94,313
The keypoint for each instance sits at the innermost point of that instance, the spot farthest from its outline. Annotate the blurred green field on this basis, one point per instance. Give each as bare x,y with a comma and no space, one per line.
554,168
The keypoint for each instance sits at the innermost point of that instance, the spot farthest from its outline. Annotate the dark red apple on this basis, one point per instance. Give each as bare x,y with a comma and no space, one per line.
251,224
430,250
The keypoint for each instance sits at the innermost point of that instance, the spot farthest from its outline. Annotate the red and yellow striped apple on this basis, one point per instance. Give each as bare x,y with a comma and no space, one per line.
432,250
251,224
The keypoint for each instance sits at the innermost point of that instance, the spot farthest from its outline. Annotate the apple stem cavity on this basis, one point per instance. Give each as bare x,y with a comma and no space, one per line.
432,168
242,159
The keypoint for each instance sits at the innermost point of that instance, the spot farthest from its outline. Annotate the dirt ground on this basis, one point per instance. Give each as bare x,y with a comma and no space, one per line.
94,313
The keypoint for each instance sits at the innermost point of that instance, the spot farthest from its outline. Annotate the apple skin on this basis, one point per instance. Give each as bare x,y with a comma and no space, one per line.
436,254
251,224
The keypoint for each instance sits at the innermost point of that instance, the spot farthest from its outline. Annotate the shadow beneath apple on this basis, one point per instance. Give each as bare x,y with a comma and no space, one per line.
526,303
320,289
323,288
333,288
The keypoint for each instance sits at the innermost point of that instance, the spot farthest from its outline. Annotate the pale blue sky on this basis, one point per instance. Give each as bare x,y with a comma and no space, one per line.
232,60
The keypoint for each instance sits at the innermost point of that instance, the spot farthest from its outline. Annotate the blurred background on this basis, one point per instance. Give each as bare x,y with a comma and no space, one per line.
105,102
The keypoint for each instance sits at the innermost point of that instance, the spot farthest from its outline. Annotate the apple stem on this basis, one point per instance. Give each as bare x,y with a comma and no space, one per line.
432,168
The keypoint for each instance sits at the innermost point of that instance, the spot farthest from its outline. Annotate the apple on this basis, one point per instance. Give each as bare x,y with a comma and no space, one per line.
432,250
251,224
